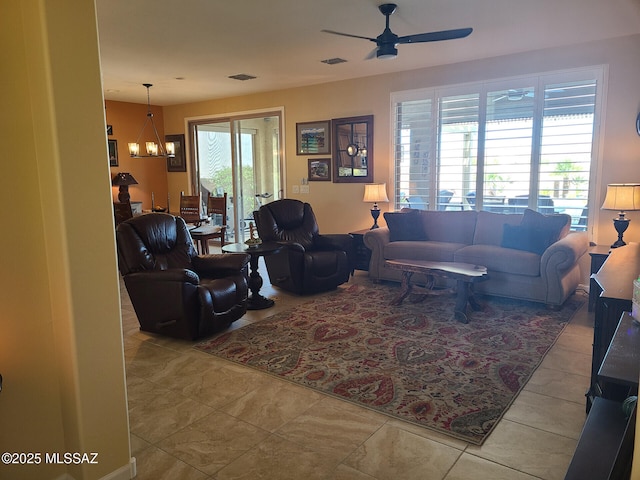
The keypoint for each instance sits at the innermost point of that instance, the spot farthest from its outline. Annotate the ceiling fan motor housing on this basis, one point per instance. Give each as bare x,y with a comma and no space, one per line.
387,51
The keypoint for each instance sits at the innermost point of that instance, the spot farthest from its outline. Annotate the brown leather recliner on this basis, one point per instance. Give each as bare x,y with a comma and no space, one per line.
310,262
174,291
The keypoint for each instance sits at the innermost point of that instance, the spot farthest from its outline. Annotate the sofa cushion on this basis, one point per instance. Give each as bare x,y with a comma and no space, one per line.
490,226
498,259
443,226
404,226
421,250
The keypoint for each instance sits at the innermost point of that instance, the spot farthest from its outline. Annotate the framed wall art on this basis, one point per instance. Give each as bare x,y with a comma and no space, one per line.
113,153
313,138
319,170
179,162
353,149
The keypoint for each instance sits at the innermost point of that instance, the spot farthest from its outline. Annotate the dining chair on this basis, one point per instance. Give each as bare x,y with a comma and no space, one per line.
217,211
190,209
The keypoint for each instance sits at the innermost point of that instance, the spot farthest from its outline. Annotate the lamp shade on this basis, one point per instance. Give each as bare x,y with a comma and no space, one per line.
123,178
622,197
375,192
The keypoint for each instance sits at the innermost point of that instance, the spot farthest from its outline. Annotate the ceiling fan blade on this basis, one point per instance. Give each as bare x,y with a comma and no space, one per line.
348,35
436,36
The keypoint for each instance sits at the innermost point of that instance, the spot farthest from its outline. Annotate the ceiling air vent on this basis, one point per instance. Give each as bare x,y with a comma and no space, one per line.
242,77
333,61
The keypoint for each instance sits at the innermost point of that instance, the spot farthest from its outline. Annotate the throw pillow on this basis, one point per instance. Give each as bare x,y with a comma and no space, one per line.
552,225
522,237
404,226
535,233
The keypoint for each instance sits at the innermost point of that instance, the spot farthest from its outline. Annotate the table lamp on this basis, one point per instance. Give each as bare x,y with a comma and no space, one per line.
622,197
375,192
123,180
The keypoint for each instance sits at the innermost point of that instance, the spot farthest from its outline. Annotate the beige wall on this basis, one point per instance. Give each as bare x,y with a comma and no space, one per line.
339,207
61,351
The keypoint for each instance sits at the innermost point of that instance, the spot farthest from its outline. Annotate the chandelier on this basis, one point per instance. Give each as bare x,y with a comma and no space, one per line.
153,149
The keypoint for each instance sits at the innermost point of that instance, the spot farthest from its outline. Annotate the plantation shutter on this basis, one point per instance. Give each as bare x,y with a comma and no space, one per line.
415,141
500,146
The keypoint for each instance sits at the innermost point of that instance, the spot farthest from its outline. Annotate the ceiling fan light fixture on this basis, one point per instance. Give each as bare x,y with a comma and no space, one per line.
387,52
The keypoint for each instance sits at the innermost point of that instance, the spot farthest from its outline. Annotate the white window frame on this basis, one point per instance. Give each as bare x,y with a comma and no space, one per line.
599,73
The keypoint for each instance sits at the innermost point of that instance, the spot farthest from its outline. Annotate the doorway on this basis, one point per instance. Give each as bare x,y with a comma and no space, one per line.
240,156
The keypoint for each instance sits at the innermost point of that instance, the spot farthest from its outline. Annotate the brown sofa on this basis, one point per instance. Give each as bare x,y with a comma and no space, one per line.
528,256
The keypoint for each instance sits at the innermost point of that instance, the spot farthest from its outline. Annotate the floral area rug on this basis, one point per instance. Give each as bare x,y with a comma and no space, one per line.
413,362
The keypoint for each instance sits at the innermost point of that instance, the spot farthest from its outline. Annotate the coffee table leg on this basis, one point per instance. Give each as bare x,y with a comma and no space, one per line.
462,297
405,288
256,301
475,306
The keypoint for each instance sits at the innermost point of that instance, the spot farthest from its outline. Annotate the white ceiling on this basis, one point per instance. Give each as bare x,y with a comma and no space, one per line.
188,48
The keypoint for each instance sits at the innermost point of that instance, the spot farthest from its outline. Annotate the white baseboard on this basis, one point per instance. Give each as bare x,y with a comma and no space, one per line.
126,472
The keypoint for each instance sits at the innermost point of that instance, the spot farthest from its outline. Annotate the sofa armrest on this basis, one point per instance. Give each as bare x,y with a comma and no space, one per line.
565,253
559,265
375,240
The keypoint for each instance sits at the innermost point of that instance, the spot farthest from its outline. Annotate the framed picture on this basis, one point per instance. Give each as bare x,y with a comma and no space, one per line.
313,138
353,149
113,153
319,170
109,129
177,163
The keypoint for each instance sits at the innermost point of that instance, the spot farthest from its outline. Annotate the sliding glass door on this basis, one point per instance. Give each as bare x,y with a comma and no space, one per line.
239,156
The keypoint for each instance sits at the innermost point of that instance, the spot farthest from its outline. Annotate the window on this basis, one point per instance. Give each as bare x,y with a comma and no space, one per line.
499,146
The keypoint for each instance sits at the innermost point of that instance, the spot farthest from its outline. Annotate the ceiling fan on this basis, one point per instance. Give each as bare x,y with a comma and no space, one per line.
387,41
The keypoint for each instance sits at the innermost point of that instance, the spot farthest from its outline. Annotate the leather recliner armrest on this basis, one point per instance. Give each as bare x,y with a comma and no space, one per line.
220,264
295,246
170,275
333,241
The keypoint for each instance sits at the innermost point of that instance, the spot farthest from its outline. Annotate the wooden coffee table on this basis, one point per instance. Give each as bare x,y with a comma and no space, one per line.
465,274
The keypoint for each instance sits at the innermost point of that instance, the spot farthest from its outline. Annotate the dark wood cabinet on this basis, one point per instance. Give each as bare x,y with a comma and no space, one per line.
605,448
363,254
615,283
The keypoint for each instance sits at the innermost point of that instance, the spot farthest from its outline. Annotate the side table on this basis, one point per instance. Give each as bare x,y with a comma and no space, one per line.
363,254
256,301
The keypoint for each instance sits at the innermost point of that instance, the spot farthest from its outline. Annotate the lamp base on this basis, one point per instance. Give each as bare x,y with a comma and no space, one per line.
375,213
621,224
123,194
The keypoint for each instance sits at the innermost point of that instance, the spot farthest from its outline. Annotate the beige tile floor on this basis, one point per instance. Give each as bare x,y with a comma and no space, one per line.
194,416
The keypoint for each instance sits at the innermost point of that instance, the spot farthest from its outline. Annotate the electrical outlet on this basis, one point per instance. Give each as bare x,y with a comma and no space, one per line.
304,188
295,189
